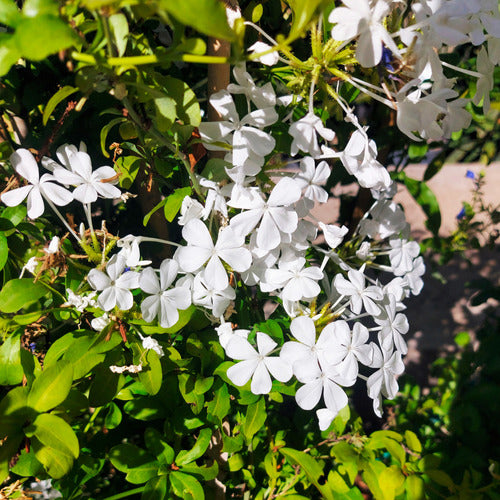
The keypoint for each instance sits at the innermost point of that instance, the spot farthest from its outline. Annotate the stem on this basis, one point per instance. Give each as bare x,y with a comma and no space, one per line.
68,227
86,208
475,74
126,494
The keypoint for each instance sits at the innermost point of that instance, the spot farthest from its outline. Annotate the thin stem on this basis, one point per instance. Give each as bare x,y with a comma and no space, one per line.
126,494
370,85
475,74
68,227
88,214
372,94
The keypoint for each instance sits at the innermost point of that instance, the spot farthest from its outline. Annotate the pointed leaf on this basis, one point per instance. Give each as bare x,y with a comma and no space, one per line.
156,488
254,419
186,457
58,97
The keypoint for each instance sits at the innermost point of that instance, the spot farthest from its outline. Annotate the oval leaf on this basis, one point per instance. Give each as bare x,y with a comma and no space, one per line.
18,293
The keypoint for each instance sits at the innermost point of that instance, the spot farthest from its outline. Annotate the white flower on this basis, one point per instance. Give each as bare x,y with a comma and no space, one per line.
100,322
80,302
30,266
163,303
393,327
360,295
413,278
307,351
383,381
130,251
262,97
268,59
90,184
256,364
333,234
115,284
25,165
485,83
226,333
275,215
207,296
149,342
349,348
298,282
360,159
402,254
366,19
126,368
311,178
304,136
190,209
320,379
245,136
200,249
53,246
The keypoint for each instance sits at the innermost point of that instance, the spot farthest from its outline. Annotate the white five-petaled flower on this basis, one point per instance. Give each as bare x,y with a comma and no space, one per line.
200,249
115,284
383,382
364,18
311,177
150,343
304,133
163,302
40,187
245,136
275,216
89,184
360,295
298,282
207,296
256,364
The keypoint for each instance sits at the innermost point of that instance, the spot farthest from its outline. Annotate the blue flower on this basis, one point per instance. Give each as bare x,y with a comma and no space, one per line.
470,174
461,214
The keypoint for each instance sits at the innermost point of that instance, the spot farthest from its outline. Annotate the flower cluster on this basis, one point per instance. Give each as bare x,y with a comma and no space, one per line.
254,230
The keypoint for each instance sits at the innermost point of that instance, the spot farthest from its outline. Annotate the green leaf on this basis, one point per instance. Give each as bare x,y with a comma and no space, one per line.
105,131
440,477
435,166
206,16
4,250
166,114
205,473
153,210
7,451
219,407
426,199
158,447
9,13
128,168
415,487
174,202
54,443
187,106
28,465
417,150
40,36
143,473
254,418
156,488
113,417
303,12
391,480
58,97
18,293
151,374
14,411
311,467
9,55
186,486
119,27
412,441
15,214
126,457
52,387
186,457
11,369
